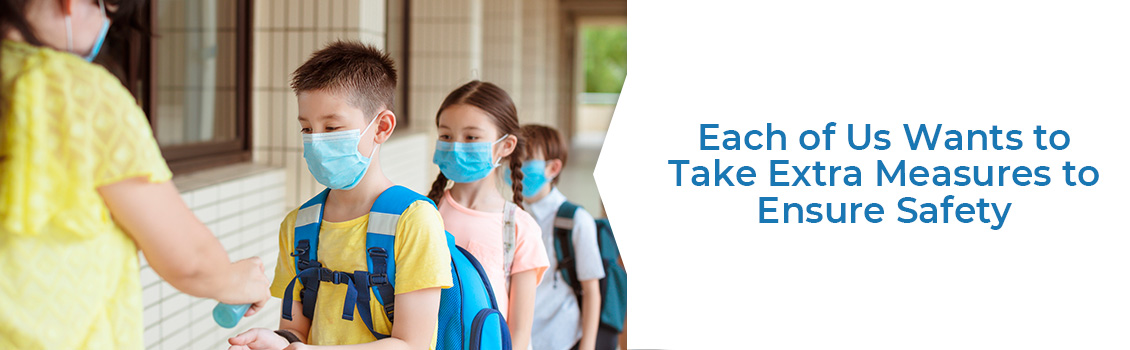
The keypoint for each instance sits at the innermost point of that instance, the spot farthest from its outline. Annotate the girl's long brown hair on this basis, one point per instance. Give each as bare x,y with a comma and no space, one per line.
495,102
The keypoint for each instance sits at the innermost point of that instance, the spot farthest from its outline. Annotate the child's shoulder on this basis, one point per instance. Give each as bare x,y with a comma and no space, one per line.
290,218
581,216
422,213
422,207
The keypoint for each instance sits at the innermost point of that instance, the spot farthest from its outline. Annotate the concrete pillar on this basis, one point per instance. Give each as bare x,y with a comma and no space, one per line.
445,52
534,29
502,45
552,67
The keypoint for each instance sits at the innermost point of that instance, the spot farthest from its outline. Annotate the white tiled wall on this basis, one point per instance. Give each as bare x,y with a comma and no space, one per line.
442,53
406,159
512,43
244,214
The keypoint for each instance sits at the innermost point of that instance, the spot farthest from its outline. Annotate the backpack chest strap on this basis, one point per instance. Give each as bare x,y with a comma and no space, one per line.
314,276
379,254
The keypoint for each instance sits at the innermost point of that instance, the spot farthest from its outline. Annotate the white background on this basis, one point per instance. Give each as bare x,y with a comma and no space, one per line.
704,274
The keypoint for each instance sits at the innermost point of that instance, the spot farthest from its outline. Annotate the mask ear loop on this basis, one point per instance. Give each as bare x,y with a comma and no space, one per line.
375,145
67,21
495,163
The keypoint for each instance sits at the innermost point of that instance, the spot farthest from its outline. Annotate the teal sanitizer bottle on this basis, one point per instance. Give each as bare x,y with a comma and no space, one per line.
228,316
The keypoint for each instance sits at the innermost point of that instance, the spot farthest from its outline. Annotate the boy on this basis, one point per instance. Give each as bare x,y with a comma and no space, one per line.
345,94
560,322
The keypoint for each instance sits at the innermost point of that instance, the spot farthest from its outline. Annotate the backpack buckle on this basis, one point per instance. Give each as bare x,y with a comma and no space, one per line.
342,277
335,277
377,253
377,278
301,248
298,251
305,264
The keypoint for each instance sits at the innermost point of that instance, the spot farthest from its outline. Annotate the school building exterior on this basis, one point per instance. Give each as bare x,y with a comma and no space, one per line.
215,84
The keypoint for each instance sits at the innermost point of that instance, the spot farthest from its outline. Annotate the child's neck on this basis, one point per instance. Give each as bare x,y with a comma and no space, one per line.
345,205
480,195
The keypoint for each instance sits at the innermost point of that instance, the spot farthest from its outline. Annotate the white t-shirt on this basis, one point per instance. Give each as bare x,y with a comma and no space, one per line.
557,314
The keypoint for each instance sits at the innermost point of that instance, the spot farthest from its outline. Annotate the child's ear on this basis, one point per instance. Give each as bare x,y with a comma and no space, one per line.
507,146
553,168
385,123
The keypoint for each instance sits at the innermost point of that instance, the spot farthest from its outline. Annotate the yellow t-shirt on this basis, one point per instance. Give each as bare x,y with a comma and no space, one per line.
69,273
422,261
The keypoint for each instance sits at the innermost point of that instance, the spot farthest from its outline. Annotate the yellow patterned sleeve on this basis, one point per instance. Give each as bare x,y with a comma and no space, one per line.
121,141
68,127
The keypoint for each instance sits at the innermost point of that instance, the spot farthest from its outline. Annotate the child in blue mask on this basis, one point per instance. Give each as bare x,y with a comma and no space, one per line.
345,95
478,131
561,321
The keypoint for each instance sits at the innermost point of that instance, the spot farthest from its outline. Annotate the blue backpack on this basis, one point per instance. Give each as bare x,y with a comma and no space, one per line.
614,285
468,312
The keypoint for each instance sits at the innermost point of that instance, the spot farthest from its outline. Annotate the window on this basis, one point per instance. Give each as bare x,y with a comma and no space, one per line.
199,76
191,78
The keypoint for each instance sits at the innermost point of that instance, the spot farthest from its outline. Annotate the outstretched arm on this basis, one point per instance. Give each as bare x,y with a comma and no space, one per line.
180,248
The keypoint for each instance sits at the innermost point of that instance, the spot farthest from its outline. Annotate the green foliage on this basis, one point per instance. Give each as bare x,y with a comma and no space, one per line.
606,58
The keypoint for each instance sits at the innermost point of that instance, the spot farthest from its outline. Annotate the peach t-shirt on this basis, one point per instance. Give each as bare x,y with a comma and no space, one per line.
481,234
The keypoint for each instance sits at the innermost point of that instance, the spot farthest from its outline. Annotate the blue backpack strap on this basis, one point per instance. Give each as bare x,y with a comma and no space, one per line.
609,249
379,248
563,245
307,224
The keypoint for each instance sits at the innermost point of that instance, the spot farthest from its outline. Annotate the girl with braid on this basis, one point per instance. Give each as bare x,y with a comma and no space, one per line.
478,131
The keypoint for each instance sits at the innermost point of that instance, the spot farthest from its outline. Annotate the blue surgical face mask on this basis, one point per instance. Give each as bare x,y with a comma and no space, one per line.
466,161
101,34
533,177
333,158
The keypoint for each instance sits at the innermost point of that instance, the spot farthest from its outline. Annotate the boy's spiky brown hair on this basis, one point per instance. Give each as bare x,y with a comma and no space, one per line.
366,75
